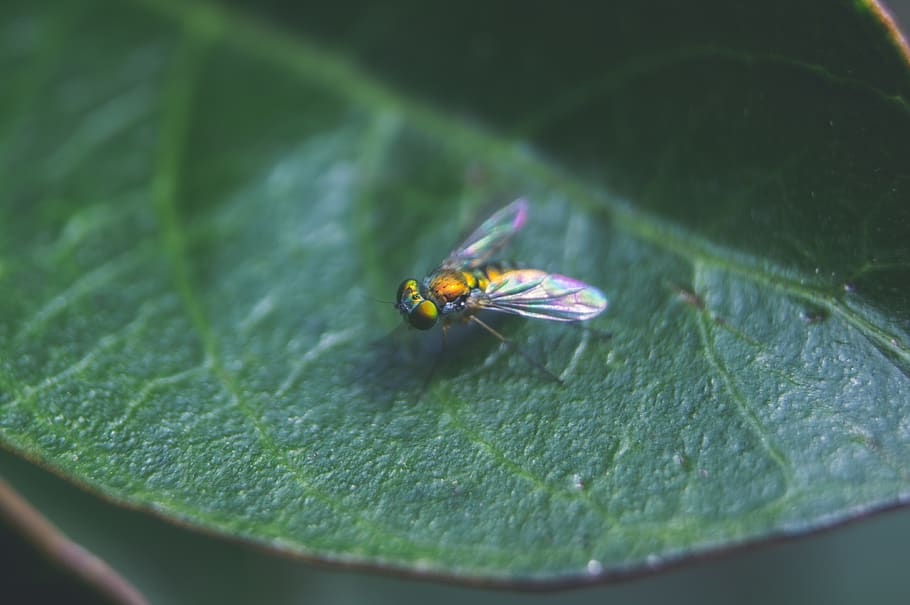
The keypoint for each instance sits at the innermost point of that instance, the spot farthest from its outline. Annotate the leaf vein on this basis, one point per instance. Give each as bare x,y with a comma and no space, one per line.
740,403
150,387
104,344
592,91
85,284
327,341
498,456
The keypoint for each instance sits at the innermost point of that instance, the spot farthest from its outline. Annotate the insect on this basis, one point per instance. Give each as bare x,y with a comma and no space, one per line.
467,281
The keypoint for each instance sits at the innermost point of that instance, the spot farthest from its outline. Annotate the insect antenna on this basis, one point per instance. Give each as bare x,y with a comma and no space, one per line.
515,348
379,300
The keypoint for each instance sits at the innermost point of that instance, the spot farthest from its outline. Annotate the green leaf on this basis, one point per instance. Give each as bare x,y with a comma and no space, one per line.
201,210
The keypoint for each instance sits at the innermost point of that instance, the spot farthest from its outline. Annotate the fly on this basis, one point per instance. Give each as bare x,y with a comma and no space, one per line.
467,282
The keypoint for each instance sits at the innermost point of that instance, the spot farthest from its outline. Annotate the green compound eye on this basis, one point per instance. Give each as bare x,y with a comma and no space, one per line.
423,317
418,311
408,287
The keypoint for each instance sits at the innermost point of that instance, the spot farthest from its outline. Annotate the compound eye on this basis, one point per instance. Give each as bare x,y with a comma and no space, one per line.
423,317
407,287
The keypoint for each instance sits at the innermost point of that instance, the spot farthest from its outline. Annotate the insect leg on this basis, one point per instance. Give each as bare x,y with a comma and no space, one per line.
515,348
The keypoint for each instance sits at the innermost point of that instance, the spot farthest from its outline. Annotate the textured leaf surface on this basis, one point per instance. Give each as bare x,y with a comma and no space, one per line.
200,211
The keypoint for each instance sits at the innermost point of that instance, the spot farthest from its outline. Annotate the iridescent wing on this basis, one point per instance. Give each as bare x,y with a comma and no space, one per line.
534,293
490,237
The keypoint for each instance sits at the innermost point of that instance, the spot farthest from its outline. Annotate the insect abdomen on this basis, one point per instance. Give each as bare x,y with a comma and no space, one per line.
489,272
